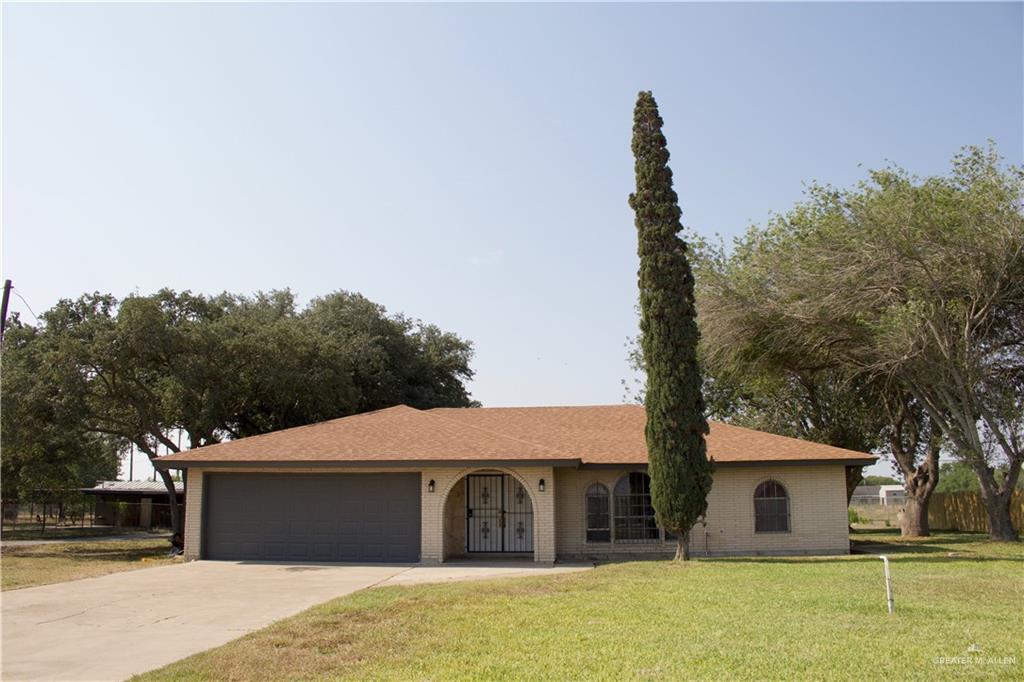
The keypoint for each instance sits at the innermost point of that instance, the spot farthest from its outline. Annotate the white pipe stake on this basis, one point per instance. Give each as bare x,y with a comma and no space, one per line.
888,584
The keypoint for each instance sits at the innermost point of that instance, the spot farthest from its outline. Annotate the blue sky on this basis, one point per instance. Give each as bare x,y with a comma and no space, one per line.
464,164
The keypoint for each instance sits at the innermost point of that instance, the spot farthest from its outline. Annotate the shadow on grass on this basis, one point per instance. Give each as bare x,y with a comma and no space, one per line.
894,535
37,532
87,553
947,558
935,549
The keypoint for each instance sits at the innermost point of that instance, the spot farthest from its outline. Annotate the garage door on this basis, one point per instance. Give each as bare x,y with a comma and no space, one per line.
312,517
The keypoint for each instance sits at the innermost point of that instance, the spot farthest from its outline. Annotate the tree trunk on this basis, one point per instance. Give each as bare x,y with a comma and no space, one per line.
854,476
682,546
996,497
172,498
915,516
919,487
919,480
172,494
997,507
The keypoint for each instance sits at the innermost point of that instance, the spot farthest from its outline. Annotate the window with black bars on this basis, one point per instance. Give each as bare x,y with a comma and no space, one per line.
634,515
599,527
771,508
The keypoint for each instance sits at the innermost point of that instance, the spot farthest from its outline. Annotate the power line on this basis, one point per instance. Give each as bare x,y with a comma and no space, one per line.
15,290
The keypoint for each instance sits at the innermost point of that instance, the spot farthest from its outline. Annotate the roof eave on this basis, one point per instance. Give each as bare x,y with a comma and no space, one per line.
853,461
435,463
362,464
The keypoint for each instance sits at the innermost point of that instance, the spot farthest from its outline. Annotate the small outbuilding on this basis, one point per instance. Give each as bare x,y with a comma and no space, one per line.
133,504
884,495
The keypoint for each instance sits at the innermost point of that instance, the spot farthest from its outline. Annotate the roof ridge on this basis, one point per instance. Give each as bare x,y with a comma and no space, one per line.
260,436
633,405
547,448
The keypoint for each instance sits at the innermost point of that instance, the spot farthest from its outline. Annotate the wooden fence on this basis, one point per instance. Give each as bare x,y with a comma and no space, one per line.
964,511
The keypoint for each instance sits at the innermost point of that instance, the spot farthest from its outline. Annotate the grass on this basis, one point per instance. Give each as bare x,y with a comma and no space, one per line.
31,565
34,531
743,618
875,516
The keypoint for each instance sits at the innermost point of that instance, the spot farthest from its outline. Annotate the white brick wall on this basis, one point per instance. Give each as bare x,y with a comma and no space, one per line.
818,520
817,511
193,512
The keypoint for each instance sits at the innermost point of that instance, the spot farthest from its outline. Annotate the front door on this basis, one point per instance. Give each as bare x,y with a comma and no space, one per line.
499,514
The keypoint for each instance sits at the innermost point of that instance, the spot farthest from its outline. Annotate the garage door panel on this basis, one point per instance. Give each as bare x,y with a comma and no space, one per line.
325,528
282,528
348,552
299,550
375,551
401,507
246,548
300,528
312,517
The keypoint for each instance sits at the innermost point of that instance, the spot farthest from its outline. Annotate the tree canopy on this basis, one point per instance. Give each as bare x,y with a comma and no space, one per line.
958,476
46,445
910,289
880,480
103,374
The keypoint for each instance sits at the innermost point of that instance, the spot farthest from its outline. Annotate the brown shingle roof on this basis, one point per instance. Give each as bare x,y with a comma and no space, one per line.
614,434
606,434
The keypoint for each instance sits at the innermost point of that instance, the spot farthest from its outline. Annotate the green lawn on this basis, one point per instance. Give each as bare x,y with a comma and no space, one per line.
745,618
30,565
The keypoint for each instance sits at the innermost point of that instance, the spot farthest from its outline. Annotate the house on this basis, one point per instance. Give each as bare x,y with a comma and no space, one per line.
141,504
865,494
551,483
891,495
884,495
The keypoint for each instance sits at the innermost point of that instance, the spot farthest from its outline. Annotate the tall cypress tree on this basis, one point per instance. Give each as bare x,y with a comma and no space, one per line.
677,455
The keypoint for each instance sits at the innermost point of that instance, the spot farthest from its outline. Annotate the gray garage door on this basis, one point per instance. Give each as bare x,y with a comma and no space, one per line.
312,517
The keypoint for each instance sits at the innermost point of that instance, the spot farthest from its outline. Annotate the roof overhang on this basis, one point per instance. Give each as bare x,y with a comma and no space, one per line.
746,463
865,461
364,464
128,493
437,463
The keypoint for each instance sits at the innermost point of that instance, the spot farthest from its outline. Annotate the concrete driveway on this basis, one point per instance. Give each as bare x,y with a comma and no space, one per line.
117,625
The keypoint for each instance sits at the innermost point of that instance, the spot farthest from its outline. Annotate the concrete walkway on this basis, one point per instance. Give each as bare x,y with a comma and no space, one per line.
118,625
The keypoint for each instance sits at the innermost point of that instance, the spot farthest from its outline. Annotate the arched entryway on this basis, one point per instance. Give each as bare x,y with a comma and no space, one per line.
489,513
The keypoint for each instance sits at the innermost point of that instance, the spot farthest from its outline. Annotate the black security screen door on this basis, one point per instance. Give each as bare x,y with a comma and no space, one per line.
499,514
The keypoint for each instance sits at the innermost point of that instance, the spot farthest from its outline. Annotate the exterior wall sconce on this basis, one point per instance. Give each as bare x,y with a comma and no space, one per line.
430,486
540,485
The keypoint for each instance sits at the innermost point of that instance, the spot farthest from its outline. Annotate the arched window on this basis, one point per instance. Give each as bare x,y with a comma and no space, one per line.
771,508
634,515
599,527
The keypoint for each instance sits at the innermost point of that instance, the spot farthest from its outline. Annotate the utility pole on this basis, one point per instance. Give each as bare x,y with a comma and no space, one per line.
3,312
